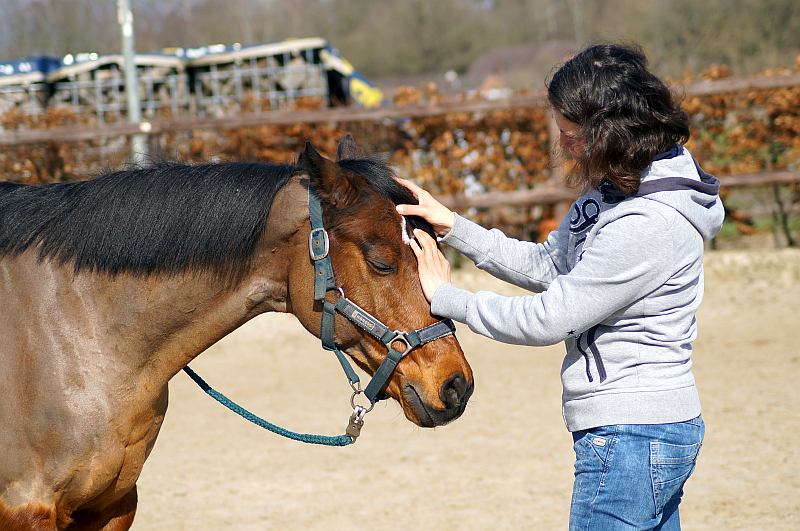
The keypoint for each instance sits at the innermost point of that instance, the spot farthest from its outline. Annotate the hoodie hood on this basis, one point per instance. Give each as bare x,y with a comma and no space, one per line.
675,179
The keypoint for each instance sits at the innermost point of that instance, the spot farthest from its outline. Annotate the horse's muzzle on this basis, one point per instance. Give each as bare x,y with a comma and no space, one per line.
454,394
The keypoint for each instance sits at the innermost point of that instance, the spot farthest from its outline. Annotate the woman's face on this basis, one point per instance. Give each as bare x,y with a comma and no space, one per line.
568,137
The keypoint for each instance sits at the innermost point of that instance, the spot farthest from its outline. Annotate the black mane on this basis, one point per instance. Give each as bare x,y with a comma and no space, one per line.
164,218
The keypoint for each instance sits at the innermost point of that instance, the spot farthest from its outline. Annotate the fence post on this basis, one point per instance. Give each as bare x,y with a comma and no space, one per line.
782,217
125,19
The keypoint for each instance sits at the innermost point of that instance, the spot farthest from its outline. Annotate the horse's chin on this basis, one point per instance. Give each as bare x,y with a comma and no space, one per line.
422,414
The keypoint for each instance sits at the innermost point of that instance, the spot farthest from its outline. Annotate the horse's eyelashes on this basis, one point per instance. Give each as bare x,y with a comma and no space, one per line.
381,267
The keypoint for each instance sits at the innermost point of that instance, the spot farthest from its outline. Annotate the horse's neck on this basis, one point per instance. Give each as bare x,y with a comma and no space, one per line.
117,332
164,323
132,330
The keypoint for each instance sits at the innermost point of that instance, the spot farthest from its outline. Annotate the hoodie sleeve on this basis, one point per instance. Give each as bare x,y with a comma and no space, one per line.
529,265
629,258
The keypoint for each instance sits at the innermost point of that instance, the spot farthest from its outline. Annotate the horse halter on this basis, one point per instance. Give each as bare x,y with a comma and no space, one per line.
324,281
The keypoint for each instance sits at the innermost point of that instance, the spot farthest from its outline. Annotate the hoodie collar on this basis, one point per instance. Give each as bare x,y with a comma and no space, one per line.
708,184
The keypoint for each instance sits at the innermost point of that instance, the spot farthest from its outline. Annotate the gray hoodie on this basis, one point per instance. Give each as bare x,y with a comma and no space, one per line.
619,281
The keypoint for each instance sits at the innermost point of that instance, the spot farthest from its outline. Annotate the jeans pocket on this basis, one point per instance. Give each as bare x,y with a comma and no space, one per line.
592,459
595,443
670,467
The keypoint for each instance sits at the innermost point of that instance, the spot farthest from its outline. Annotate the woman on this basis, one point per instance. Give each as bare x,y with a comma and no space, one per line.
619,281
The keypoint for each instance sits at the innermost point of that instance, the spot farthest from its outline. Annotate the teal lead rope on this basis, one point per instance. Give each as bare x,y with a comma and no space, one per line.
336,440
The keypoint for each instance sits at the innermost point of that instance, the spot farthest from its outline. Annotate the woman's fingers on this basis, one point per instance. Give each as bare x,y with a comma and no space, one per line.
415,247
429,247
423,197
424,247
412,210
424,239
418,245
410,186
435,213
424,208
433,268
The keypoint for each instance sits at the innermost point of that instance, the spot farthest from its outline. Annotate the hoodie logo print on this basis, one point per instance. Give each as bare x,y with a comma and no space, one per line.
585,216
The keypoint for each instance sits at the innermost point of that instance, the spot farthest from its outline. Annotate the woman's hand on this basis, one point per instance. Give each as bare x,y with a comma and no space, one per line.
429,209
434,269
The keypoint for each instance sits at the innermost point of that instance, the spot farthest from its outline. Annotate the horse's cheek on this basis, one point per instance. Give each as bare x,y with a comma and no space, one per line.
300,297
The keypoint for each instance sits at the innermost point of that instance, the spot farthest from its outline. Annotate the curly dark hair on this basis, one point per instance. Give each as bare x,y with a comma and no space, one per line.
625,114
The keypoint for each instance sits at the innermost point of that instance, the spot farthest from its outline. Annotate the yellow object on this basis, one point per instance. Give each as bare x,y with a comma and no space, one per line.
365,94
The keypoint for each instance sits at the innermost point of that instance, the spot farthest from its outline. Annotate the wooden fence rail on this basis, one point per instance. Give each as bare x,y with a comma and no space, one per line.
537,196
760,179
335,115
548,195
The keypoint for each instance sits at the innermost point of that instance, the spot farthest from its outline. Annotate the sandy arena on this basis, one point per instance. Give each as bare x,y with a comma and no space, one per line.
507,463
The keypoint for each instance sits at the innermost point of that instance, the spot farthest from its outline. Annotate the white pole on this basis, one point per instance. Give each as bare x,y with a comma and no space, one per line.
125,19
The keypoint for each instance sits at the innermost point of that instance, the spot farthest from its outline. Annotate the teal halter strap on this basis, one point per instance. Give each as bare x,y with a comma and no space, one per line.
324,281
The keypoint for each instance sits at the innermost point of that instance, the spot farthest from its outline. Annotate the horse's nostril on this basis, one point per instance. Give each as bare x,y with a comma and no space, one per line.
453,391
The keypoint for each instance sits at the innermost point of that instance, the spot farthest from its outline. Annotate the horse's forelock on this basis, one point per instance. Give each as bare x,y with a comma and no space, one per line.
380,175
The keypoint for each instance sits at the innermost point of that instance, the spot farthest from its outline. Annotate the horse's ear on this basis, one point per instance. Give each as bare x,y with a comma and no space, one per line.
332,185
310,160
348,149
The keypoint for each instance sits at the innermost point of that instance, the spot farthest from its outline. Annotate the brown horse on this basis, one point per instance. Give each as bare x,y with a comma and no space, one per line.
110,286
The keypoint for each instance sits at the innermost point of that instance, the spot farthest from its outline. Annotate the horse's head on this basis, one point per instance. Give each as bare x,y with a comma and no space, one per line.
376,269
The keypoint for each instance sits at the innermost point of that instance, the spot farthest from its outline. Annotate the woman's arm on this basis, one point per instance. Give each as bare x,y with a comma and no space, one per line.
529,265
628,259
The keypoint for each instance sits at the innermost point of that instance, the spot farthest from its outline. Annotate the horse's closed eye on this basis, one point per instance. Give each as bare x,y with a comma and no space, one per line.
381,267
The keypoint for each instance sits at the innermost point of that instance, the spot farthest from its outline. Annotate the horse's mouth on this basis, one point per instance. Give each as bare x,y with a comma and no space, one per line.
429,417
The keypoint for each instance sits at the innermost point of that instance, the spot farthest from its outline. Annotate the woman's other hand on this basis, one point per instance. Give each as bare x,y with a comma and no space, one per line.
429,209
433,267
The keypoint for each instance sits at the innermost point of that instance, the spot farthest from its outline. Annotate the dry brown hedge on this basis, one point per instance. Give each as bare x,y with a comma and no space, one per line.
751,131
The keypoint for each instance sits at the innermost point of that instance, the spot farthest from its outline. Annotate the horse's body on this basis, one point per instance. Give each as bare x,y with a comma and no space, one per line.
93,329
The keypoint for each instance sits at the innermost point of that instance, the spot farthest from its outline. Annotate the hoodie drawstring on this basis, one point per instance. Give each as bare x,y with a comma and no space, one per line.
591,336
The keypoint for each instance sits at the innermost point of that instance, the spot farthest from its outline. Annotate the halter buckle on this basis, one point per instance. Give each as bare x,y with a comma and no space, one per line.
403,338
314,243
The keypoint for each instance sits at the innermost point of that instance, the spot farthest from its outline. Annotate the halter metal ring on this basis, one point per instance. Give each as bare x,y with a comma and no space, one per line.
353,403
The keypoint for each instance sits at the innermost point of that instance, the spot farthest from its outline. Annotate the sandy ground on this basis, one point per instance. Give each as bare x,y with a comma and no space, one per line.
507,463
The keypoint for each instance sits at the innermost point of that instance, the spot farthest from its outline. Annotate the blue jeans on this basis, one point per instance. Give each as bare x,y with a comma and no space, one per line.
631,476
